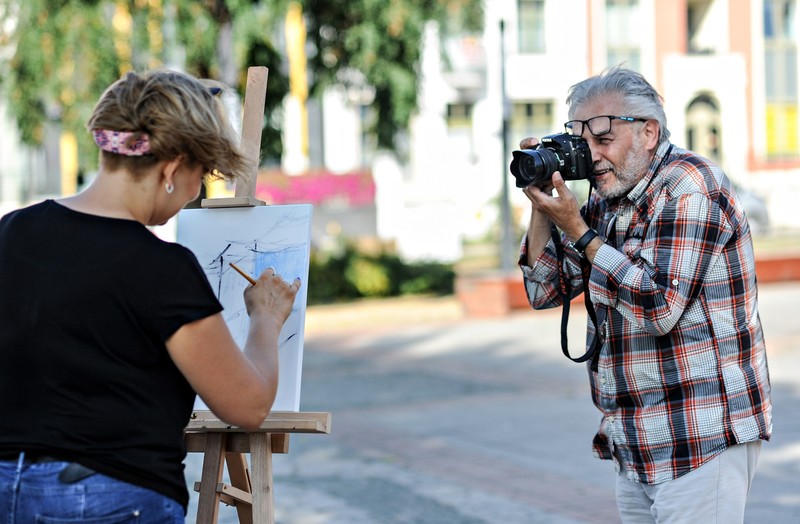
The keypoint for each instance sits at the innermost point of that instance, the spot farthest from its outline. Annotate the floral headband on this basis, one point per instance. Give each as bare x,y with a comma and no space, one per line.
121,143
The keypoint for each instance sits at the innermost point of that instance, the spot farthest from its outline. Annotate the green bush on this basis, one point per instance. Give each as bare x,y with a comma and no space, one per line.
351,275
369,277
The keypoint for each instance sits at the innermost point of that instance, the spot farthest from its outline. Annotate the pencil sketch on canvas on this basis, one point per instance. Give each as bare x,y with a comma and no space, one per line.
255,238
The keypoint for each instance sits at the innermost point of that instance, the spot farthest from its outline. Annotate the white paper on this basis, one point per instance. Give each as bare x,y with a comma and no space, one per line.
255,238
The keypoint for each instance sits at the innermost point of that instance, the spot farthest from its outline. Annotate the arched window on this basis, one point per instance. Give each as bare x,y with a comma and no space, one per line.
703,127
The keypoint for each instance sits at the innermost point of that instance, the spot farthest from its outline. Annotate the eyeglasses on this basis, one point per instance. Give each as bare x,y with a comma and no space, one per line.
597,125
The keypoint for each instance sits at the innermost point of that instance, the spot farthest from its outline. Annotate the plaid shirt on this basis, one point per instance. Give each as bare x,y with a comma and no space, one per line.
682,370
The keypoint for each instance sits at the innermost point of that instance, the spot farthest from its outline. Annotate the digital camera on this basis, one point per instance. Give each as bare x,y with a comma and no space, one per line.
562,152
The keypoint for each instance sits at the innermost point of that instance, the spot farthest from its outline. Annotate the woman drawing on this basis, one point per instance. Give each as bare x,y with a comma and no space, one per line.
107,333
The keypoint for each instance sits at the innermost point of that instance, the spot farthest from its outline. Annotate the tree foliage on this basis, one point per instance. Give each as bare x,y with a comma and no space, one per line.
56,72
57,56
381,40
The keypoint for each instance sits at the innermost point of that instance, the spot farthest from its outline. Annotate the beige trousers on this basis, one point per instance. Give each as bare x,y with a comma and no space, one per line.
714,493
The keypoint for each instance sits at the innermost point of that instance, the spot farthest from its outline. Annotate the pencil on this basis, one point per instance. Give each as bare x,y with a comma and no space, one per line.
245,275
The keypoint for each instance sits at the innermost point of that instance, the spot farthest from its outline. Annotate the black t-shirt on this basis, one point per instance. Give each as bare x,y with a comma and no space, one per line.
86,304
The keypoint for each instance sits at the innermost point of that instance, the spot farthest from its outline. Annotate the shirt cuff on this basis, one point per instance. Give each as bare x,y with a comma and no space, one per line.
608,266
542,270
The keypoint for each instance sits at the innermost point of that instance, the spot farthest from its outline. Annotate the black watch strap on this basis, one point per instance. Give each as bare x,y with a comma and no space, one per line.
584,241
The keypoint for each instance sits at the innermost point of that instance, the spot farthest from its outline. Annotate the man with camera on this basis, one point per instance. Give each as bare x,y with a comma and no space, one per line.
663,252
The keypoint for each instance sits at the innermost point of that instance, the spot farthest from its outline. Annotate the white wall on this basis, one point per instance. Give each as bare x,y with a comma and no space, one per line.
725,78
14,165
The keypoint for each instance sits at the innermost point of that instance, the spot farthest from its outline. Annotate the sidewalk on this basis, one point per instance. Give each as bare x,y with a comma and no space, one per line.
443,419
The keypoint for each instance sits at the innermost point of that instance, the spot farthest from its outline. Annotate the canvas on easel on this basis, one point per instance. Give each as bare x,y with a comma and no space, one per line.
243,230
255,238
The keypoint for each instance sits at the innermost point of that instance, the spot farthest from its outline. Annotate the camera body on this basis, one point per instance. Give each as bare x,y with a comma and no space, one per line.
562,152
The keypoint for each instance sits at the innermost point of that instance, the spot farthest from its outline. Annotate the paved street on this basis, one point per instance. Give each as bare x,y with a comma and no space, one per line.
438,419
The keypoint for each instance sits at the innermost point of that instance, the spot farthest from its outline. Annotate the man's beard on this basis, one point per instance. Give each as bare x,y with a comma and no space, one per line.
627,174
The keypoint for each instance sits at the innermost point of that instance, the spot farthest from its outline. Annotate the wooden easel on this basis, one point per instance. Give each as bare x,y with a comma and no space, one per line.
251,489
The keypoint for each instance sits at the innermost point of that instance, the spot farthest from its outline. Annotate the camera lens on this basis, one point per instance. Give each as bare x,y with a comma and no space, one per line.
534,166
529,164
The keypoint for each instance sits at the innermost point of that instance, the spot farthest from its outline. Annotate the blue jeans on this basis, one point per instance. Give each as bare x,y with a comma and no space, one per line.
31,493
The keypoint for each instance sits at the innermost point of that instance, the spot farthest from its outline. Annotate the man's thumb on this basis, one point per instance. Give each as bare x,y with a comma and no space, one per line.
558,182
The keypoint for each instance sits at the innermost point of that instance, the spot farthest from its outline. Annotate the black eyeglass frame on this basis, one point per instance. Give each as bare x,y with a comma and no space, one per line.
586,125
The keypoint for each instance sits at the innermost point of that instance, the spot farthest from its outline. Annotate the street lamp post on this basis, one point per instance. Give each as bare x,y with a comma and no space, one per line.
506,246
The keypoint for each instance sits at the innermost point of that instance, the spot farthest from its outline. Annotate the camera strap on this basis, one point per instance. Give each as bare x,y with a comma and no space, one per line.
565,289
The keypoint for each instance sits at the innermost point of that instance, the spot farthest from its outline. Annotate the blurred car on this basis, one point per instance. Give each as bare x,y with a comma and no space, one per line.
755,208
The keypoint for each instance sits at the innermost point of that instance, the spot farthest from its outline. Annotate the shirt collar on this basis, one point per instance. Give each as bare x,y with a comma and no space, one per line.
640,190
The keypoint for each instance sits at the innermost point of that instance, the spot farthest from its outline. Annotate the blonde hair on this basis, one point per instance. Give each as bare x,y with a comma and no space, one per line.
180,116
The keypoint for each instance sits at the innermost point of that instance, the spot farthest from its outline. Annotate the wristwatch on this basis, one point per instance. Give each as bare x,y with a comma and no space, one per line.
582,243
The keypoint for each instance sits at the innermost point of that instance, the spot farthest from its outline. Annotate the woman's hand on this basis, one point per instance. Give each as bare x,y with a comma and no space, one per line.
271,296
239,385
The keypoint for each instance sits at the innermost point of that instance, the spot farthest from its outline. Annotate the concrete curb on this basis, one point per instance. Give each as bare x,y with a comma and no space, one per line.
496,295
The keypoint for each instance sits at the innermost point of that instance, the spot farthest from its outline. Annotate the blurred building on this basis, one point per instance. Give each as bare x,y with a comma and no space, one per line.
728,71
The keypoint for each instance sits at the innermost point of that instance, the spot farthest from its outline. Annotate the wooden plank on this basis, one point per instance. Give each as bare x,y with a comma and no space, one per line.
235,443
279,442
261,475
252,123
230,495
208,502
276,422
240,486
242,500
246,201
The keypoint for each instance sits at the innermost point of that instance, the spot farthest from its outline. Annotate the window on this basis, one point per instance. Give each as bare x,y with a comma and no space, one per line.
780,75
459,115
704,25
531,119
459,130
622,37
703,127
531,26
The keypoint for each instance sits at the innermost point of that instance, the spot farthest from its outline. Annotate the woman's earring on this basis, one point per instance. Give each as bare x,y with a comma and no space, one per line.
169,187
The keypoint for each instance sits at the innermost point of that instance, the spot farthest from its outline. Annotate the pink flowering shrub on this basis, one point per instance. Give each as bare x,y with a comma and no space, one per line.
319,188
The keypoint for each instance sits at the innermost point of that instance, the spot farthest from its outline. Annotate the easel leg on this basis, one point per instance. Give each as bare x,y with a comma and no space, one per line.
240,478
208,502
261,478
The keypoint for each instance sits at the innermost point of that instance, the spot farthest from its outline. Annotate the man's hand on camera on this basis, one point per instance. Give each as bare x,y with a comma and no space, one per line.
562,208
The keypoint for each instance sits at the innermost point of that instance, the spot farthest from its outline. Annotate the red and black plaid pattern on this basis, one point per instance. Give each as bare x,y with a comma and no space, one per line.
682,371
